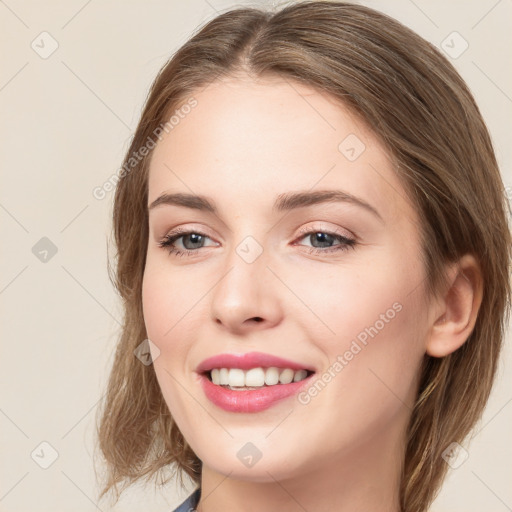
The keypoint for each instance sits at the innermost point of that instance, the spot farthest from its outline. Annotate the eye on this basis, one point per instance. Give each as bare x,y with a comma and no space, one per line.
322,241
192,240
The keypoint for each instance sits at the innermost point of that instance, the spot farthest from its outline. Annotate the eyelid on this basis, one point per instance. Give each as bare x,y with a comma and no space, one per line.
305,230
188,229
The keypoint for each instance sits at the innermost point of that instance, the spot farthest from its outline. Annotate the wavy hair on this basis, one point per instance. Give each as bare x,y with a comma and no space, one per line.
422,111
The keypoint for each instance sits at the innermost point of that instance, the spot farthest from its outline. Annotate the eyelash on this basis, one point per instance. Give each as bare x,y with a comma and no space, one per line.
169,239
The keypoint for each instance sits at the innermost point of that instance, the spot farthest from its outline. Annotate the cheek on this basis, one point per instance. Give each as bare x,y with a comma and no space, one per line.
157,304
378,370
370,382
370,324
169,300
164,308
340,302
381,348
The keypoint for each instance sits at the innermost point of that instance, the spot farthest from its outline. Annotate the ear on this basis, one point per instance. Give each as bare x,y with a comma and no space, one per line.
456,310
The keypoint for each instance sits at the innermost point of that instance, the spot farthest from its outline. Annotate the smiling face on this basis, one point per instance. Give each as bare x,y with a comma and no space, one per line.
336,287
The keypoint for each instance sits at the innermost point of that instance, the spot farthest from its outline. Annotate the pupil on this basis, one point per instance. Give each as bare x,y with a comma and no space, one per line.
196,239
323,238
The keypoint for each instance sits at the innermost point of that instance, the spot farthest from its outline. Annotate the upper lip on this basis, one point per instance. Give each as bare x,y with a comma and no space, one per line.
247,361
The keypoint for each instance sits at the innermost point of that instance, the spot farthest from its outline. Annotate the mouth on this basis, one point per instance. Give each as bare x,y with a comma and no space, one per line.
251,382
238,379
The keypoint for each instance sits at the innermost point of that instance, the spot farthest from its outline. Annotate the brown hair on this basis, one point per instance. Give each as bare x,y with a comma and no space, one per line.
423,112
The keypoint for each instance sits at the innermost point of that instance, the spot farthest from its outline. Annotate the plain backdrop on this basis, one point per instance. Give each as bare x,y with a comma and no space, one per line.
74,75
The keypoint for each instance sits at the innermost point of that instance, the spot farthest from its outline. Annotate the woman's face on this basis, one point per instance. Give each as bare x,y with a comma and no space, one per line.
331,287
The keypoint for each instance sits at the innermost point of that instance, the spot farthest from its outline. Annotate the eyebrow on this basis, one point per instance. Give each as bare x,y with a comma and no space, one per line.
284,202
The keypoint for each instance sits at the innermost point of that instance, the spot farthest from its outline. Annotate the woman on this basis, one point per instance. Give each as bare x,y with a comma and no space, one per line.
313,249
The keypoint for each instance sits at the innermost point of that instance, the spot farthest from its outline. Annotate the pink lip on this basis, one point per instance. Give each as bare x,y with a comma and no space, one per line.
248,361
254,400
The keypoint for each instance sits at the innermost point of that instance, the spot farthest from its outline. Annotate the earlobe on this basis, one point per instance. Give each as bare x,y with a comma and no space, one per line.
457,311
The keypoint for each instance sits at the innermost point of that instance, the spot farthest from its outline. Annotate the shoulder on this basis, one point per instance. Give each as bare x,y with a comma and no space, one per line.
189,505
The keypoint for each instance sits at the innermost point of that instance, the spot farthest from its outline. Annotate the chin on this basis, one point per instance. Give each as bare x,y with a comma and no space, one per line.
252,461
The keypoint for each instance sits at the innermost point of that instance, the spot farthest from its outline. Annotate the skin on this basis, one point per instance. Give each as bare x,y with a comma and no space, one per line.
245,143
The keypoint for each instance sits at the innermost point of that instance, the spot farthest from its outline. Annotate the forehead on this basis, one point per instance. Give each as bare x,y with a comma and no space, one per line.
245,142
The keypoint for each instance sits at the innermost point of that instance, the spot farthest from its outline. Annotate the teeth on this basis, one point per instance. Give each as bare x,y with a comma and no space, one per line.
300,375
236,377
272,376
286,376
223,376
255,377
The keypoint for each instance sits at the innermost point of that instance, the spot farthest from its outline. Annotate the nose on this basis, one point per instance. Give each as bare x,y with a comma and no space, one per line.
247,296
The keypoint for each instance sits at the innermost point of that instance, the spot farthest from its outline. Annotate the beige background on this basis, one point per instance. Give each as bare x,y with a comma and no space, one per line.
66,121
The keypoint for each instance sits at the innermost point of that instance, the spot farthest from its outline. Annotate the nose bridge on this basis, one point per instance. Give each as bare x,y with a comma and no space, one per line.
247,289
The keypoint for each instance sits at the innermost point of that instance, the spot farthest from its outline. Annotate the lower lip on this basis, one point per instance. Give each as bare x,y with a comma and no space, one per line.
253,400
